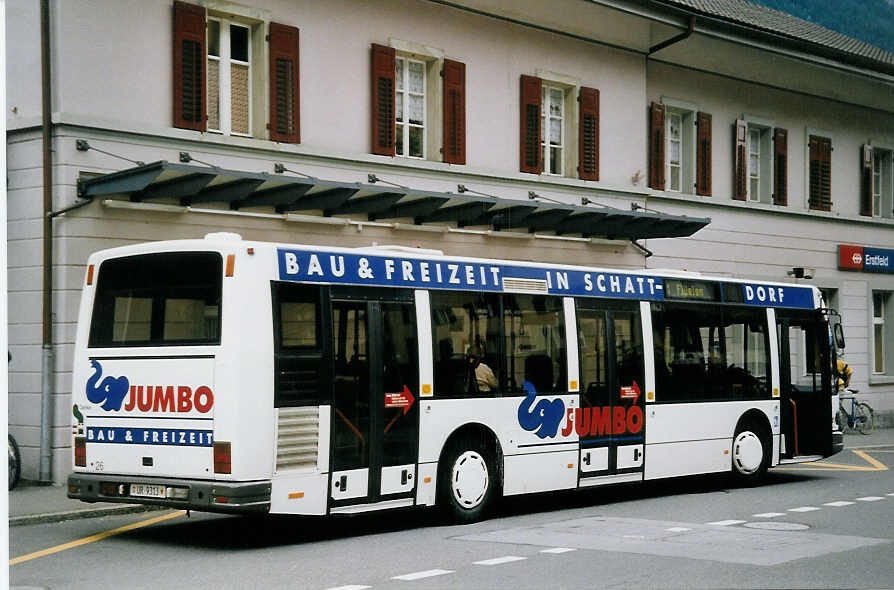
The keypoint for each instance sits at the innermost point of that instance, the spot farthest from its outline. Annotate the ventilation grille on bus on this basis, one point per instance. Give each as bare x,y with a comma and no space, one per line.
298,430
526,285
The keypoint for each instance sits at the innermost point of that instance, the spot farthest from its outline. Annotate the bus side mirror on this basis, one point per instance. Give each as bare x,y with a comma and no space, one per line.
838,331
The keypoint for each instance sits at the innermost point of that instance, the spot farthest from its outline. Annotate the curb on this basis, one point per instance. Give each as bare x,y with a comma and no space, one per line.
78,514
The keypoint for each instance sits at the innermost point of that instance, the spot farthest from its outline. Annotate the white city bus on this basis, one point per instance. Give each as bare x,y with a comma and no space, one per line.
232,376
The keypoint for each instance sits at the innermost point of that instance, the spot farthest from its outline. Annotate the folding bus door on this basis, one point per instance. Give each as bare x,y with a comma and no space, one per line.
375,418
805,384
610,420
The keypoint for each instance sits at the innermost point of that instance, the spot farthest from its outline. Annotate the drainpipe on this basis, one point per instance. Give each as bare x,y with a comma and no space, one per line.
46,369
676,39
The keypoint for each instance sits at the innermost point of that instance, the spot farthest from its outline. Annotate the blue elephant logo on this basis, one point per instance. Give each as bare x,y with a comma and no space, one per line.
543,418
110,392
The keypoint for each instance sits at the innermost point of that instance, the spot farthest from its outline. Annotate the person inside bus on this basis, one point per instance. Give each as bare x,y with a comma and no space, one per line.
484,378
844,373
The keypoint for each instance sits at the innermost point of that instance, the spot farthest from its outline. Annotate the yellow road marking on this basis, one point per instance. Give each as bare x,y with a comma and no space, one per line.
96,537
874,465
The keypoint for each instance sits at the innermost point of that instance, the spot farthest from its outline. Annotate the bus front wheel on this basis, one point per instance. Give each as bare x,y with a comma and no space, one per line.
467,480
750,453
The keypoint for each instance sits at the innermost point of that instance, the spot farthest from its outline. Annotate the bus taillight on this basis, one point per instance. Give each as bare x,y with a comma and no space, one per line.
80,450
222,462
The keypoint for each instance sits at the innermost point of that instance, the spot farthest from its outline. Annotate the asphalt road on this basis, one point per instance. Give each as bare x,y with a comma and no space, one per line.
806,527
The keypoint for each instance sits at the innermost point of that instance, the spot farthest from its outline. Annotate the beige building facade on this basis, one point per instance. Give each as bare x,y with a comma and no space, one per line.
121,95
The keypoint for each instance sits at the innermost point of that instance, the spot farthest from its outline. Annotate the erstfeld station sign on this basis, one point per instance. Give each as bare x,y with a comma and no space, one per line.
865,259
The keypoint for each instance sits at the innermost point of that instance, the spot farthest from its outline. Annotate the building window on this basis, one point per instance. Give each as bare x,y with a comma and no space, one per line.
229,77
220,82
882,183
418,103
882,326
680,140
674,150
552,129
409,107
754,164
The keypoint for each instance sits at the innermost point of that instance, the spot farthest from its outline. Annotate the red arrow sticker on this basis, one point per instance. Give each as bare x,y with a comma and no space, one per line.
630,391
402,399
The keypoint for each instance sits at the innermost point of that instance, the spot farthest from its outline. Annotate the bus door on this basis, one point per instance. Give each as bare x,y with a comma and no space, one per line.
611,420
375,419
805,384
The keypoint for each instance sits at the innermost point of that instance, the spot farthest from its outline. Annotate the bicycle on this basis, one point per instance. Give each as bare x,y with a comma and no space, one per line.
15,463
860,416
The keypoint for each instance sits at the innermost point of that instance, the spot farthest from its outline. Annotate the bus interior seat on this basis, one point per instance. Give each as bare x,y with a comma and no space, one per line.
539,371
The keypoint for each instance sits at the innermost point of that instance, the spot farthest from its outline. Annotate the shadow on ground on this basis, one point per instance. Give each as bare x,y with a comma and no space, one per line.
253,532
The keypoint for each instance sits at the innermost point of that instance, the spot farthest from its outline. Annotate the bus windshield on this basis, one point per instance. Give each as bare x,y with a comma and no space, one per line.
158,299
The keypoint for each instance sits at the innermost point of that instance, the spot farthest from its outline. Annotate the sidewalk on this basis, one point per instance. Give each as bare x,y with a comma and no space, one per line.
31,504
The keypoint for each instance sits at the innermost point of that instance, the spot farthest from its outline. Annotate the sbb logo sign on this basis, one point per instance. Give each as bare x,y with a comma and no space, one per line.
850,257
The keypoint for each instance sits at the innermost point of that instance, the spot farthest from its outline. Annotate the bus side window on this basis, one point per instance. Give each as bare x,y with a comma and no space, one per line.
534,331
299,370
466,334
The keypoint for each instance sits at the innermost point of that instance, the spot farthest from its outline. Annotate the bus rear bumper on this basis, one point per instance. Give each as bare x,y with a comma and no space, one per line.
185,494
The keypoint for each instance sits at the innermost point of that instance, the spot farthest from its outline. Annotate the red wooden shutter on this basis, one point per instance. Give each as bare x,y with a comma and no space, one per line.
703,156
866,180
284,84
780,166
588,136
382,100
454,112
531,156
656,145
740,163
820,157
189,66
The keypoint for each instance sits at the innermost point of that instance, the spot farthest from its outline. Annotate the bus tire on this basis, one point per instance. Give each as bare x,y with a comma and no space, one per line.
467,480
750,452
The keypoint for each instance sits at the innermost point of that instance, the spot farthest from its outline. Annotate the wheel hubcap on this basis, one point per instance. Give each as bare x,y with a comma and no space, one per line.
469,479
748,452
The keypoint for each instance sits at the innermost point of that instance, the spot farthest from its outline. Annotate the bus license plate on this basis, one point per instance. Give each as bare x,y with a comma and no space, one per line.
147,491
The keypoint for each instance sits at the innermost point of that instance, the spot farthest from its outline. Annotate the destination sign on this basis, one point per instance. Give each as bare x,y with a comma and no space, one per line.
348,268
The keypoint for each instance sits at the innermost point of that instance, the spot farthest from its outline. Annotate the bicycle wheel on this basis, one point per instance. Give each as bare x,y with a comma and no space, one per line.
15,463
863,418
841,420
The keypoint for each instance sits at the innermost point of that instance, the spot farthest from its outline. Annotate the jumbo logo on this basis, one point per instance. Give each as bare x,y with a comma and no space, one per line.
110,392
543,418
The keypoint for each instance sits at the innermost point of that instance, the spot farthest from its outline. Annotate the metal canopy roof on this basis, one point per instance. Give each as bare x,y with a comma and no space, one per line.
192,185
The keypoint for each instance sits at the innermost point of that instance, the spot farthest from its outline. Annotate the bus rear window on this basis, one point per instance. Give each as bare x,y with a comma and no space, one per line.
165,299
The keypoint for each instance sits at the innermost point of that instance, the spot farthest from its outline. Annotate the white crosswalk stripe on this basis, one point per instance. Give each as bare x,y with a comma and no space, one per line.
726,522
870,498
838,504
768,514
678,529
421,575
803,509
558,550
499,560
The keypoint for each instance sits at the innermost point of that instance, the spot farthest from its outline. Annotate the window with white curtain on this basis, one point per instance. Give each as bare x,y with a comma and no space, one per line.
674,151
552,129
410,107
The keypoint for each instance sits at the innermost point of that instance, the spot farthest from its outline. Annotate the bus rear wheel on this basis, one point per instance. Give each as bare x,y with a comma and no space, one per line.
467,480
750,453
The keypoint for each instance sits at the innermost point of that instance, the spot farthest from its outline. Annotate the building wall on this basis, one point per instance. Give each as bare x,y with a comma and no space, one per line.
766,241
113,87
